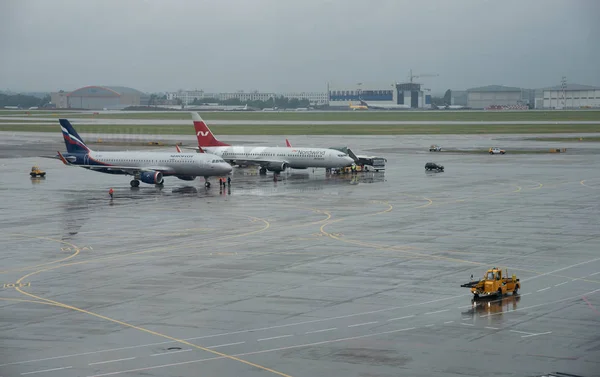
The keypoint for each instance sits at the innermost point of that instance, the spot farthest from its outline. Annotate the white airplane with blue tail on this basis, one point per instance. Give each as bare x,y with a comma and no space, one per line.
147,167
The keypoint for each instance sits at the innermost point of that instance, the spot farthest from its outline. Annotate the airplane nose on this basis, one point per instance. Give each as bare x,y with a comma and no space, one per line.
225,168
349,160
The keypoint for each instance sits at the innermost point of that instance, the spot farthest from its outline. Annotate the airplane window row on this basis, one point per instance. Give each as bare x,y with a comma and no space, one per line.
231,154
252,154
149,161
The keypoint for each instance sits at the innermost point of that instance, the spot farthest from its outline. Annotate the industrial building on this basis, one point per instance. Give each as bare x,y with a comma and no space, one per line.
188,96
314,98
568,96
100,97
497,97
458,98
409,94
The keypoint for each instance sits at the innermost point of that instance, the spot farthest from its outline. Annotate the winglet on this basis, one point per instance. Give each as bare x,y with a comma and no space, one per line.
62,158
287,142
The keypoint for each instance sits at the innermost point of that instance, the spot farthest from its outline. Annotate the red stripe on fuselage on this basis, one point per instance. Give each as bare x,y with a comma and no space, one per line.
75,142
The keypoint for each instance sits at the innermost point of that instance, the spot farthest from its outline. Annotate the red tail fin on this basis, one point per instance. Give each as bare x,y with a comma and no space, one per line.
287,143
204,135
62,158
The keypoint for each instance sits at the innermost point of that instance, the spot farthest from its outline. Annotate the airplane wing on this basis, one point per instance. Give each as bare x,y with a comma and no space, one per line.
264,163
129,169
197,149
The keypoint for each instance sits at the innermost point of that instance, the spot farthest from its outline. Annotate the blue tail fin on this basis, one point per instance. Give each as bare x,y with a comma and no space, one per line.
73,141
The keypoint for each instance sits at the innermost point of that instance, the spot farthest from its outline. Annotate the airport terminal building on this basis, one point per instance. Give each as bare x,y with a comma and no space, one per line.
97,97
188,96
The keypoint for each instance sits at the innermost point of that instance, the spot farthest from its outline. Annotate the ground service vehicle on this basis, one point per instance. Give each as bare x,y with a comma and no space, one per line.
496,150
37,172
494,284
376,163
433,166
435,148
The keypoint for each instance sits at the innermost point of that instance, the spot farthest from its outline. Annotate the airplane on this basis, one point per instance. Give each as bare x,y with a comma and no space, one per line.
383,106
275,159
148,167
377,163
449,107
358,107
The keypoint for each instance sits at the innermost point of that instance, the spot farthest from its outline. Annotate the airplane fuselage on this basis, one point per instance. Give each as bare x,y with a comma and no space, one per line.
388,107
296,158
177,164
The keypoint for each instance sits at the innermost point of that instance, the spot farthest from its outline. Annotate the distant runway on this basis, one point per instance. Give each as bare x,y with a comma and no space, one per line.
174,122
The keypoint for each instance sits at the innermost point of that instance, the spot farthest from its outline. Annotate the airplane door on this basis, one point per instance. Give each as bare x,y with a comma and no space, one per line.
86,159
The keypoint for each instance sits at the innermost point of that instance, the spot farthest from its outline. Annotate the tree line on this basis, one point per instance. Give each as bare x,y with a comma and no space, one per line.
23,101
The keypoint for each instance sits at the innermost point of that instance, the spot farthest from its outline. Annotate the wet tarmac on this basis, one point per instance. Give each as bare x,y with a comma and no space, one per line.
310,275
30,144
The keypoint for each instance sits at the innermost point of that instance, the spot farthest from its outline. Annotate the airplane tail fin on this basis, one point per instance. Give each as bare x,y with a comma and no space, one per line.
73,141
287,143
204,134
363,103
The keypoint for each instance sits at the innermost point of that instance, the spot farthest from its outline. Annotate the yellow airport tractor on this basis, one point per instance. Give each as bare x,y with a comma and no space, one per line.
37,172
494,284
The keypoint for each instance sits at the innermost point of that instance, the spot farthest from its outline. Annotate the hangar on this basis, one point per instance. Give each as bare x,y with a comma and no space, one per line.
496,96
570,96
97,97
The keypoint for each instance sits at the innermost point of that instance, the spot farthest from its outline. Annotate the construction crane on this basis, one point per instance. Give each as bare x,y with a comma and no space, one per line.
411,76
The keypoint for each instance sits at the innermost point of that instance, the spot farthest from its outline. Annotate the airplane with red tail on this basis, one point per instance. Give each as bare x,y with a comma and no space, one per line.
275,159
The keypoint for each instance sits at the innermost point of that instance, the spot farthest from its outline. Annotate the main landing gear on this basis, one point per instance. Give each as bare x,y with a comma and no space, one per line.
206,182
134,183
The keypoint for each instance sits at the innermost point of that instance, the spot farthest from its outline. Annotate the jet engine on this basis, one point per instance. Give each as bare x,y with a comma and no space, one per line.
152,177
186,177
276,167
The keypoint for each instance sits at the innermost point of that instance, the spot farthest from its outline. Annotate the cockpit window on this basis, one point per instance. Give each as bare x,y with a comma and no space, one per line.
342,155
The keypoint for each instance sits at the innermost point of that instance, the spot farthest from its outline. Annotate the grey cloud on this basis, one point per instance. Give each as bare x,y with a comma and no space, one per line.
296,45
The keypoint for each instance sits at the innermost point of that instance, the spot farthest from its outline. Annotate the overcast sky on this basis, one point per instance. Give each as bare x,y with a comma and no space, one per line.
284,45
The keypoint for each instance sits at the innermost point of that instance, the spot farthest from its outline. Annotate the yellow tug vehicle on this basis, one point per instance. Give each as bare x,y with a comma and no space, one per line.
37,172
493,284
